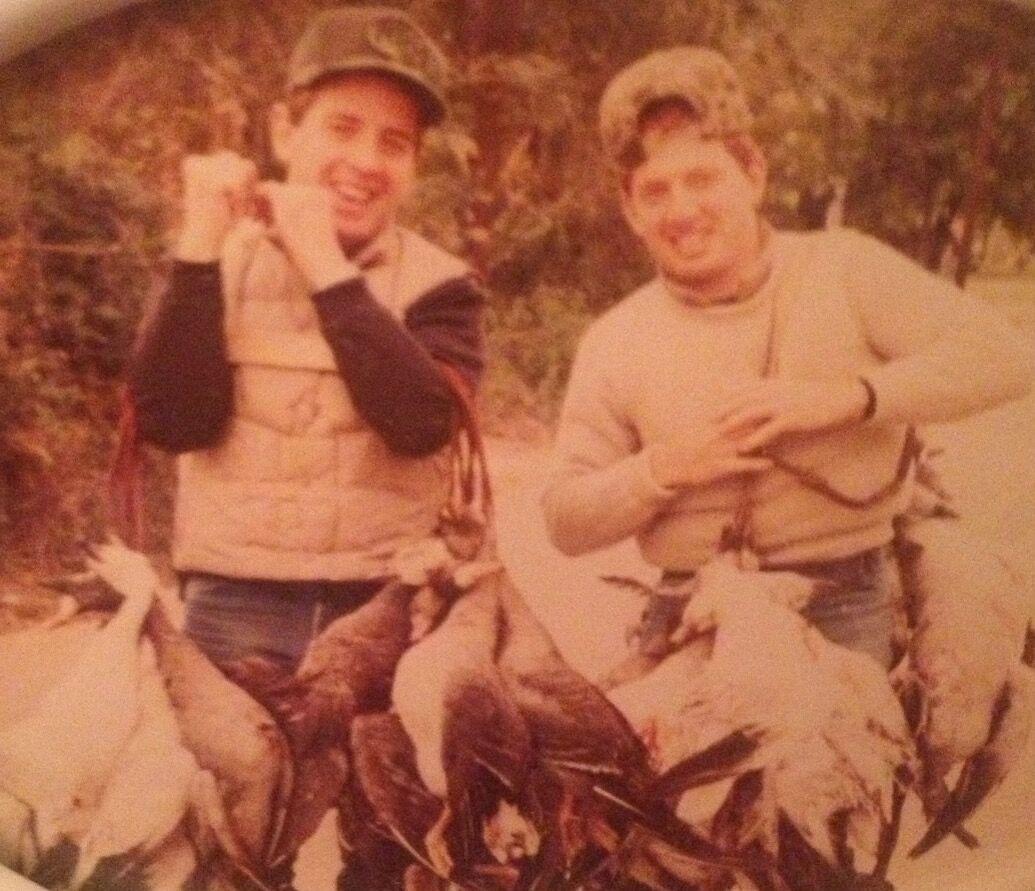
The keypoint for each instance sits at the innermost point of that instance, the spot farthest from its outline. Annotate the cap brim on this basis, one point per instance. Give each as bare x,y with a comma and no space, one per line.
432,105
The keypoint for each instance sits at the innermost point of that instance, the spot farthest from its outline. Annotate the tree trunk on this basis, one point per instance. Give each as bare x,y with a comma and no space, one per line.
976,194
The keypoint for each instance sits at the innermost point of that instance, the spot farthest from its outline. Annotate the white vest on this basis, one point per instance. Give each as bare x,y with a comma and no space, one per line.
300,487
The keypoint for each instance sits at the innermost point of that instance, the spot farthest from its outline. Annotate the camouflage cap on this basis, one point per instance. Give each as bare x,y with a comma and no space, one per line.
701,77
372,38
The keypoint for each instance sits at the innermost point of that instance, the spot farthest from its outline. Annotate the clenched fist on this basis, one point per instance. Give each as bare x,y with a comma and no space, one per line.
217,189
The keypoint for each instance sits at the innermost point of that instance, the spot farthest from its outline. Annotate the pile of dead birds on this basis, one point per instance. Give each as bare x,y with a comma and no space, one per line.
441,717
829,745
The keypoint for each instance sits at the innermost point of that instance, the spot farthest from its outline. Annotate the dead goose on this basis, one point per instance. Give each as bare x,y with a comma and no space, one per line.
385,766
964,677
346,671
833,745
472,748
592,752
149,792
233,738
57,758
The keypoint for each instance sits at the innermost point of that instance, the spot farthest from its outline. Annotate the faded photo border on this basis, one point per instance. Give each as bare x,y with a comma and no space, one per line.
535,324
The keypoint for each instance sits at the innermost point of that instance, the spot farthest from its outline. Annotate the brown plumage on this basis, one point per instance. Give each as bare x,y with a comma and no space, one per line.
472,748
591,752
346,671
232,736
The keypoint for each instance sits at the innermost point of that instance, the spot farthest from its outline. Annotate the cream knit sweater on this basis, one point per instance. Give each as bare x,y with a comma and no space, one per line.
837,304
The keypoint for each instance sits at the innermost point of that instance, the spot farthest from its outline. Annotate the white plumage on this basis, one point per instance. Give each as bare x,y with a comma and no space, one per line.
831,731
963,673
233,737
58,757
461,647
970,622
150,790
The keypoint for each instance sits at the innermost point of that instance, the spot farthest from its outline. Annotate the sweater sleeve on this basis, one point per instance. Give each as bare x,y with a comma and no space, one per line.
600,489
945,353
391,370
179,374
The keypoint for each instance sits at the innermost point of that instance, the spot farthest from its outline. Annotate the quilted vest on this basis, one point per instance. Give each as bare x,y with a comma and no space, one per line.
300,487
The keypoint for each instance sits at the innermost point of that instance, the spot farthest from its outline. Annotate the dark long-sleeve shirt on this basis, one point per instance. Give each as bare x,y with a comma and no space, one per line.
182,381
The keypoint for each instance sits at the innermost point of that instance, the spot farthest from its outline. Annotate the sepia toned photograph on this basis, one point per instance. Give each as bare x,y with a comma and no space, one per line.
517,445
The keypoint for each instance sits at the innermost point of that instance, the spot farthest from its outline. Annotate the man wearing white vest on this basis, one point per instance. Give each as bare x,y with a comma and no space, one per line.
759,390
305,360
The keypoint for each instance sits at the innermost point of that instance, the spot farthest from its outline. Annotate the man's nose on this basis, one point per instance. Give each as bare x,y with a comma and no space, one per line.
362,152
685,201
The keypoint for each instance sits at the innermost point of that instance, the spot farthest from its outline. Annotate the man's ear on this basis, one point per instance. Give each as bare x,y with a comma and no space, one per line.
757,168
628,207
282,133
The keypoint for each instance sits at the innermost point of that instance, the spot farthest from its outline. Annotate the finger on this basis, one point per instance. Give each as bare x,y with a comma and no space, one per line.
746,419
728,467
761,437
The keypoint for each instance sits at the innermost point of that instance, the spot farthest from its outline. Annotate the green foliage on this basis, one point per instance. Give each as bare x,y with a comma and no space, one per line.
884,98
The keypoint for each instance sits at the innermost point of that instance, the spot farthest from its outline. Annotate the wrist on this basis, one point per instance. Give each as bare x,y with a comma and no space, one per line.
868,395
659,463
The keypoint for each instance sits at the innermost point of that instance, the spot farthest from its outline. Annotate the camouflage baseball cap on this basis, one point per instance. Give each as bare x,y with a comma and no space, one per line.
701,77
372,38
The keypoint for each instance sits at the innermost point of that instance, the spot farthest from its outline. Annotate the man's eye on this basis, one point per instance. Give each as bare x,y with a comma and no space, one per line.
396,145
344,128
654,191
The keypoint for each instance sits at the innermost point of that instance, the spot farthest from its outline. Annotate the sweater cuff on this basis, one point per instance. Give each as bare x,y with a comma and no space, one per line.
332,302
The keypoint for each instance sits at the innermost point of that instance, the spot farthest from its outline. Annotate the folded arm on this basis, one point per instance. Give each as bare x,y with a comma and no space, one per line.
947,355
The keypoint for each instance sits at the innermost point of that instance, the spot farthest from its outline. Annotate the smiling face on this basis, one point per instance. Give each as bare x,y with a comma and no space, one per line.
695,205
358,137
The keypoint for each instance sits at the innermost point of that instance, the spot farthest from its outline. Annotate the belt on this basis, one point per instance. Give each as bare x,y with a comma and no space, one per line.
857,571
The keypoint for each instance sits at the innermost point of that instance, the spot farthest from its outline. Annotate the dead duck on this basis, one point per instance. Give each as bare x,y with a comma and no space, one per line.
346,671
824,732
56,759
472,748
966,678
594,757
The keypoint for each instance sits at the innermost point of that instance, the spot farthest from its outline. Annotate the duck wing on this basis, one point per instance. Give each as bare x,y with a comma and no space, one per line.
231,735
385,770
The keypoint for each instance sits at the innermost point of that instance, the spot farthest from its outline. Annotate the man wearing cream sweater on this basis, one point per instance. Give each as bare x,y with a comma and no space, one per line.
760,388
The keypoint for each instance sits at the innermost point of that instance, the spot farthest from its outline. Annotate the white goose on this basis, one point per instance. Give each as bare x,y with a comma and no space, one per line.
150,792
246,769
57,758
472,749
966,677
821,724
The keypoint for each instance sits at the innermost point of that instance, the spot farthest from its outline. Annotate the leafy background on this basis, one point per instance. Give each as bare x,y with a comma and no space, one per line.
923,114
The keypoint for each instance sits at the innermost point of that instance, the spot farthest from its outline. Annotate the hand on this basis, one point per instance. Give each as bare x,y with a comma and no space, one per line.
701,456
303,219
774,407
215,193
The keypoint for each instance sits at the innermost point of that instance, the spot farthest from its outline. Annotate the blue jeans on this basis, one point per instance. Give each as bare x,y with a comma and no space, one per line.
229,618
860,609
